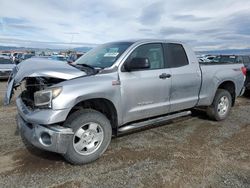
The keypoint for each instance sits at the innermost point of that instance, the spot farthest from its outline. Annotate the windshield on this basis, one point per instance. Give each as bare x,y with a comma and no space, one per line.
105,55
5,61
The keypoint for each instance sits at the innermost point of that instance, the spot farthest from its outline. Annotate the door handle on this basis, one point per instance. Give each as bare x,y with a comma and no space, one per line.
164,76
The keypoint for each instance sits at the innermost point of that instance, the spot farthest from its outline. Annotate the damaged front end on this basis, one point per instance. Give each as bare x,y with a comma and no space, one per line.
37,94
39,75
37,122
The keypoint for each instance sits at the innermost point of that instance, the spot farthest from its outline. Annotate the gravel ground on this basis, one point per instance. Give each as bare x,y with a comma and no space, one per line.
188,152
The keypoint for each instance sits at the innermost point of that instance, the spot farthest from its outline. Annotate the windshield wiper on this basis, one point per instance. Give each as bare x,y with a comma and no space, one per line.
86,65
94,70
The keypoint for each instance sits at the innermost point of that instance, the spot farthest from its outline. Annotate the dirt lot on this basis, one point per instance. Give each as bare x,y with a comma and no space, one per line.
189,152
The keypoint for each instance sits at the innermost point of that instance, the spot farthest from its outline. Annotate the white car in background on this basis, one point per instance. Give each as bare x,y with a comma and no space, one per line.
6,66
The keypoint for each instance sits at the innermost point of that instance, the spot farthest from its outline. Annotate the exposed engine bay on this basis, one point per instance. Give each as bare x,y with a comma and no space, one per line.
45,73
34,84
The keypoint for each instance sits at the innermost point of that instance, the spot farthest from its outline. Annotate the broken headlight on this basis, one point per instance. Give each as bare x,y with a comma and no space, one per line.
44,97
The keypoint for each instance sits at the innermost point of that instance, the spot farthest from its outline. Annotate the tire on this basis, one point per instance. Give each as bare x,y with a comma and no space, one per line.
92,136
218,110
247,93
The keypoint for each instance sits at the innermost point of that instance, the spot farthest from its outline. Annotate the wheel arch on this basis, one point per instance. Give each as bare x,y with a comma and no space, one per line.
230,87
102,105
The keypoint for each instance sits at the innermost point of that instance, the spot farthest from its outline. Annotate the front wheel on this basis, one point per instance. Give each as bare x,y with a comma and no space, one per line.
92,135
221,105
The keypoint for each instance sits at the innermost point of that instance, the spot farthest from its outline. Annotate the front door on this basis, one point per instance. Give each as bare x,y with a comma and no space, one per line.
146,93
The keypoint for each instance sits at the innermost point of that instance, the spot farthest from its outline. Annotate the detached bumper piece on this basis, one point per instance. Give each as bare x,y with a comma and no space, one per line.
52,138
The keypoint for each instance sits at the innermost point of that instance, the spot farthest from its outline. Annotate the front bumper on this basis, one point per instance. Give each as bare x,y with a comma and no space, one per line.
51,138
44,116
41,129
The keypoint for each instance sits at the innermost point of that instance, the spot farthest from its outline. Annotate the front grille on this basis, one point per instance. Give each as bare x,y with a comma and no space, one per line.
32,85
28,99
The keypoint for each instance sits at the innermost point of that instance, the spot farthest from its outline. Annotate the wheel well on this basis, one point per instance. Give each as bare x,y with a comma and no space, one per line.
104,106
230,87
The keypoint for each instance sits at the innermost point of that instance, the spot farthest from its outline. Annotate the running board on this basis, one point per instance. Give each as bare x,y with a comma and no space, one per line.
139,125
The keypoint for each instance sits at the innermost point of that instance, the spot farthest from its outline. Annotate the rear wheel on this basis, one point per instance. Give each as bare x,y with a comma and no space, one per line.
247,93
92,135
221,105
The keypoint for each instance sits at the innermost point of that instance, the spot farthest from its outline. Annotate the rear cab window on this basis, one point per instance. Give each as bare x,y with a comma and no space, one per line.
246,60
175,55
239,59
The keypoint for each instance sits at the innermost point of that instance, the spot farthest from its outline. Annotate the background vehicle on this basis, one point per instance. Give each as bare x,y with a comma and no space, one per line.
115,88
27,56
242,59
6,66
5,54
205,58
225,59
73,57
15,55
20,57
210,57
58,57
246,61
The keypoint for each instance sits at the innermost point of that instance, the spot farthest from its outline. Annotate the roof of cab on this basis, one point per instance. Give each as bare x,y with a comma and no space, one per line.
151,40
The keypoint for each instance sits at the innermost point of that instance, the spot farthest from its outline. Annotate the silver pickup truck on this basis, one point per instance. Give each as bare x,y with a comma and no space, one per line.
75,109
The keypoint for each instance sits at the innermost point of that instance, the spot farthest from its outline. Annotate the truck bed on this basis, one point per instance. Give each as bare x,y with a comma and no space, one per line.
214,74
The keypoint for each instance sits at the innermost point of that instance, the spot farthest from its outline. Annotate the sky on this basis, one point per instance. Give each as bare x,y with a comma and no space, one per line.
205,25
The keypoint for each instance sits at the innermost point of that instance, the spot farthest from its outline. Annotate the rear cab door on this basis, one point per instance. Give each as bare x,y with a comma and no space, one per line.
185,74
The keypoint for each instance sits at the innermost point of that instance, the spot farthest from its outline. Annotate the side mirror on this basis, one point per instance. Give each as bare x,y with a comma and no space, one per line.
137,64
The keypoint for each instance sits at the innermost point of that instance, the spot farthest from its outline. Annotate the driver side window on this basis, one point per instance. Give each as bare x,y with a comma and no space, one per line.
153,52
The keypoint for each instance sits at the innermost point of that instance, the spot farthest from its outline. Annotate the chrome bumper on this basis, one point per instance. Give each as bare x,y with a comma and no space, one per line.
51,138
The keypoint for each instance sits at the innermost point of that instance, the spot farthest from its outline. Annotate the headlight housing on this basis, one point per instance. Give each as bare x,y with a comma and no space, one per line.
44,97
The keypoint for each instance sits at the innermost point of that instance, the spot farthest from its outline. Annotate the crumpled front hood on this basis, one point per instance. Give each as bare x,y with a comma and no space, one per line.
39,67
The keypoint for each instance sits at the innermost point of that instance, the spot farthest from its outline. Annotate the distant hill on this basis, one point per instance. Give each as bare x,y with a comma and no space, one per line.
87,48
7,48
83,49
14,48
226,52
